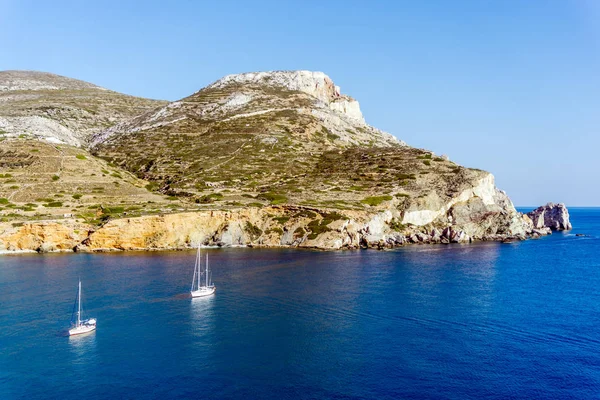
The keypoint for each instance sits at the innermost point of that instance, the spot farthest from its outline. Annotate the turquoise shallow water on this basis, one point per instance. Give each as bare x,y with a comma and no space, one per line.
487,320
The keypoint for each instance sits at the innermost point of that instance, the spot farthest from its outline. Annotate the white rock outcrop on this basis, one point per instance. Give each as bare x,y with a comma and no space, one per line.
348,107
423,214
238,99
40,128
376,228
315,83
553,216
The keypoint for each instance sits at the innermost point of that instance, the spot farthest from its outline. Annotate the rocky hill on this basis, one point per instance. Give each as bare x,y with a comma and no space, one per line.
279,158
60,109
245,135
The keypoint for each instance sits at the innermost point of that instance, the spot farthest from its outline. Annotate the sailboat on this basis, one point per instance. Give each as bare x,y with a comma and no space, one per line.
80,326
201,287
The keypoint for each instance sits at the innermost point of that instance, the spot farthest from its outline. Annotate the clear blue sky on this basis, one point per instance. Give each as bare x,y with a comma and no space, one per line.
512,87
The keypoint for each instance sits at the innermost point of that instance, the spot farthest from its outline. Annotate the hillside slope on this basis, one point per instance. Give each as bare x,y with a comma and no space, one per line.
60,109
46,181
244,134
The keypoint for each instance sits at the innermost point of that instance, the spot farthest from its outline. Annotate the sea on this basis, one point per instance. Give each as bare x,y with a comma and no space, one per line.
480,321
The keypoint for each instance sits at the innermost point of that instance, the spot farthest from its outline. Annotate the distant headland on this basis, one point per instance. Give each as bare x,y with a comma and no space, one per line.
266,159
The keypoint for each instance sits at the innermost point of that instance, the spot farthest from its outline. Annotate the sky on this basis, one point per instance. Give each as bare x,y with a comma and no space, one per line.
511,86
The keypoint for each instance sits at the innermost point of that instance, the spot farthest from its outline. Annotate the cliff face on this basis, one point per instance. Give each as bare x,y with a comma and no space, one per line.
315,84
553,216
42,236
285,226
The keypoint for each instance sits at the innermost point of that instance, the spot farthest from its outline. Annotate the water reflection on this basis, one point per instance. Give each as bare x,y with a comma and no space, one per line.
201,315
83,347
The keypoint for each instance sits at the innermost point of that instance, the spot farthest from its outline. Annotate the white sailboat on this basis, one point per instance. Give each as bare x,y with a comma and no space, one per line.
201,287
80,326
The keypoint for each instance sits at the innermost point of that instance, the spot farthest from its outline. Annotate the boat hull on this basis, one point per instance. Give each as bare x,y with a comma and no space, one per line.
203,292
82,329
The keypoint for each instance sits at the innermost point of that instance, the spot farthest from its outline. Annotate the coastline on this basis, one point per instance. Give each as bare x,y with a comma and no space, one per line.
275,227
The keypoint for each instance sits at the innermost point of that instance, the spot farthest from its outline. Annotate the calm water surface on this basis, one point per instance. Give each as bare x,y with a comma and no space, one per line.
489,320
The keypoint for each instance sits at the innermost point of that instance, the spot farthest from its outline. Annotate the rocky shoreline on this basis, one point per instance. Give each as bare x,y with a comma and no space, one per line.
271,227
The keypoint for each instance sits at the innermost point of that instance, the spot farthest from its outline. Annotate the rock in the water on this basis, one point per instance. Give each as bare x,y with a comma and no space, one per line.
553,216
542,231
436,236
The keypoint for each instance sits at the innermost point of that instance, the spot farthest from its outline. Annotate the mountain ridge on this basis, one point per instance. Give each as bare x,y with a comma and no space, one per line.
315,84
61,109
18,80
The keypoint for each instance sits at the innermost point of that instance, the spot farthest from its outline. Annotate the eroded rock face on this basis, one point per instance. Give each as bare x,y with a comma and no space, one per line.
553,216
479,211
42,237
349,107
314,83
468,221
433,206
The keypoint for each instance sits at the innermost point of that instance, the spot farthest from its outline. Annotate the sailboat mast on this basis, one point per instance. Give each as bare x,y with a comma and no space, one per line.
207,269
194,277
79,305
198,262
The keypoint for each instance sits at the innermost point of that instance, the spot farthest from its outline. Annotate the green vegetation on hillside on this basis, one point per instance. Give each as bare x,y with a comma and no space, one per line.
41,183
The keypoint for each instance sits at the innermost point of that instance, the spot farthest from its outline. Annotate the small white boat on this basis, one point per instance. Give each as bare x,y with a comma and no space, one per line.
201,287
79,326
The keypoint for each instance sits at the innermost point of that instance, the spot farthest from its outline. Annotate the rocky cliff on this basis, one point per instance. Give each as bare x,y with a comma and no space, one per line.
553,216
315,84
276,226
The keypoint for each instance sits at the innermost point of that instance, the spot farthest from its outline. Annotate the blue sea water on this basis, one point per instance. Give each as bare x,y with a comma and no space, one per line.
487,320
